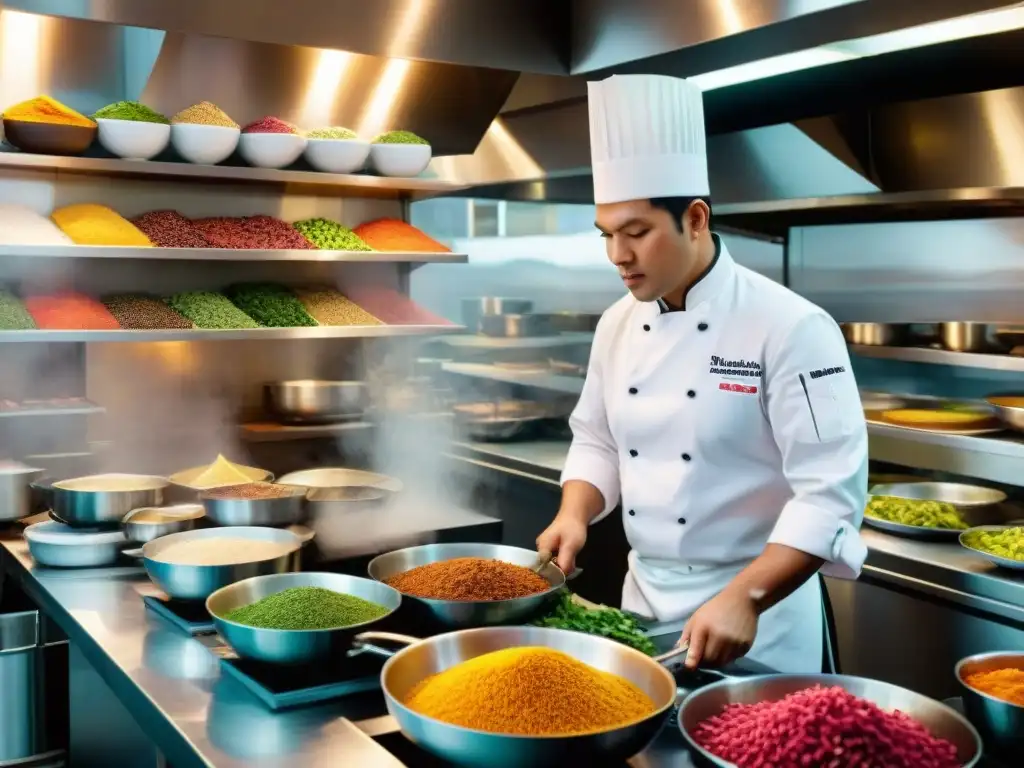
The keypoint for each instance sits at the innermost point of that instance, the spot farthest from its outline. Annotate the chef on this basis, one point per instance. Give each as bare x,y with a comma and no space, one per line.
719,406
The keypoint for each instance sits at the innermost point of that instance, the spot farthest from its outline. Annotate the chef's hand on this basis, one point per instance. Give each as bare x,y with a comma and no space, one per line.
566,535
722,630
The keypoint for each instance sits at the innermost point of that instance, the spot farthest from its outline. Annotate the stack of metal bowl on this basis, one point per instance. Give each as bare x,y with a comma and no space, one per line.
1000,722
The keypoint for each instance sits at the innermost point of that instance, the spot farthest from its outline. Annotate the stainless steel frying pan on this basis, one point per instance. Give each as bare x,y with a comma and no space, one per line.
481,749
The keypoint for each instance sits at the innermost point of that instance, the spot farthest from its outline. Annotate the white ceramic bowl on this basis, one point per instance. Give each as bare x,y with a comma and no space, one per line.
337,155
400,159
204,144
133,139
271,150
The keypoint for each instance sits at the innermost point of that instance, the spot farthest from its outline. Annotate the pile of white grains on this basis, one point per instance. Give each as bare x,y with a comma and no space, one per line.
221,551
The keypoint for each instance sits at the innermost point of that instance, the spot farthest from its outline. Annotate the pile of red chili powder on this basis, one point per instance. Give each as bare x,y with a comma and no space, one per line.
270,125
822,727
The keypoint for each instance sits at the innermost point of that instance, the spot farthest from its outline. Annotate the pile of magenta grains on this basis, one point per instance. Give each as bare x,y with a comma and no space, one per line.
169,229
822,727
270,125
251,232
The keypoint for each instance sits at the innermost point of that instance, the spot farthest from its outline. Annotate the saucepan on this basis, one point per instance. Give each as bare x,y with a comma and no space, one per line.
461,614
482,749
940,720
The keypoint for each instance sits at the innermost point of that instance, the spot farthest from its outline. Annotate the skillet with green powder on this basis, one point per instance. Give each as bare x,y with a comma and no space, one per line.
307,608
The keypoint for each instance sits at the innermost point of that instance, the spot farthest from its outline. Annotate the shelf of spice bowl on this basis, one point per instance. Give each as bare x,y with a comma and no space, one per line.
337,185
241,334
225,254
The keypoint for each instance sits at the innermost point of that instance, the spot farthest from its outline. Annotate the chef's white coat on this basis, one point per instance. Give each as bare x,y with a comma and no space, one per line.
724,427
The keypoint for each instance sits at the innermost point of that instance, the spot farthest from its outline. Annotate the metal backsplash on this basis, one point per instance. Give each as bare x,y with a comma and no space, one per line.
912,272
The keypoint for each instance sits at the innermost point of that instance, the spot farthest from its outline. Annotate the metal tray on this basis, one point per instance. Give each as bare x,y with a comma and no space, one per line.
913,531
1005,562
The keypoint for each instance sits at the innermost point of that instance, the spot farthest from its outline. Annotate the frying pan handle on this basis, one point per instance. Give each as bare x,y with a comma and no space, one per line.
362,643
674,660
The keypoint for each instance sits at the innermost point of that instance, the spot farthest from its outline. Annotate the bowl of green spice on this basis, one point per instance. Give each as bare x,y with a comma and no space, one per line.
400,153
336,150
132,130
296,618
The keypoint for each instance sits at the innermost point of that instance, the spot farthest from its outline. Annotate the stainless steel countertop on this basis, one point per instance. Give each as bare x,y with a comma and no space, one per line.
172,684
941,570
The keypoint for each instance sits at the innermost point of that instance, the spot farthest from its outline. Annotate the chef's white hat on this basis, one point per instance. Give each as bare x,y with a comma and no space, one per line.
647,138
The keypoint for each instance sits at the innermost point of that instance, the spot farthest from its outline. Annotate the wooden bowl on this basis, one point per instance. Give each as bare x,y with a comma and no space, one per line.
48,138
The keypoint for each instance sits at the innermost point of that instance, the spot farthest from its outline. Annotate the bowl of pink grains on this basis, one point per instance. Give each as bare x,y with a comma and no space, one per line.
271,143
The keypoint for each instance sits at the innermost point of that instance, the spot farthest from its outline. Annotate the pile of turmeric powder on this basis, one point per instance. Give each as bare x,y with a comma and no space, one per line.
530,691
43,109
1006,684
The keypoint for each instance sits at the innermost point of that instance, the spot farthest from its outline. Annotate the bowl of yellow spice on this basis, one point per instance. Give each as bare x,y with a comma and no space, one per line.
204,134
513,696
45,126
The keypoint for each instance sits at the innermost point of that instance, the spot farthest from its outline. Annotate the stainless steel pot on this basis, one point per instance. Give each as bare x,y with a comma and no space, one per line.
16,492
967,337
98,508
516,326
294,646
940,720
482,749
1009,408
474,309
197,582
574,322
313,401
459,614
176,519
1000,722
874,334
284,510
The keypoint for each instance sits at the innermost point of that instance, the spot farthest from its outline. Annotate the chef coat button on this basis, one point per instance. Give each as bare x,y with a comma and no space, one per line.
633,390
682,521
647,327
633,453
632,512
691,393
702,326
686,457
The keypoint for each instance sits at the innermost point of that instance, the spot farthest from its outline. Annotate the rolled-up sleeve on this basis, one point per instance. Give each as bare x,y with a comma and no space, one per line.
816,416
593,456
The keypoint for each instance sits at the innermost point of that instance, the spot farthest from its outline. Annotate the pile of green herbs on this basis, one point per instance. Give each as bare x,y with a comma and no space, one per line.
271,305
603,621
307,608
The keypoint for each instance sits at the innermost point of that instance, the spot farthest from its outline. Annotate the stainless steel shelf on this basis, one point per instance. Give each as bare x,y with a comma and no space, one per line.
223,254
337,185
260,334
266,432
941,357
997,458
526,342
25,413
569,385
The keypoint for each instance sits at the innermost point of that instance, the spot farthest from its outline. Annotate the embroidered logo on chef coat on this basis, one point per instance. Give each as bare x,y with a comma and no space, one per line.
743,389
723,367
823,372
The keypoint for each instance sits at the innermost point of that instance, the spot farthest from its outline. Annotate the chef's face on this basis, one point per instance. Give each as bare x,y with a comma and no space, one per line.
654,254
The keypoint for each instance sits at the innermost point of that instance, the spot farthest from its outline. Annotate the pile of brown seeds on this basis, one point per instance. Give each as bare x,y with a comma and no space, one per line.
253,491
330,307
257,232
169,229
140,312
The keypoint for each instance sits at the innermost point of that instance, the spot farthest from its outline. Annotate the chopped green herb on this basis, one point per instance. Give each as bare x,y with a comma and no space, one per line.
307,608
400,137
606,622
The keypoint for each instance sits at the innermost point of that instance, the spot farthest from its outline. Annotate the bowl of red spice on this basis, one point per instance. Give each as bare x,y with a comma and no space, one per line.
993,686
271,143
470,585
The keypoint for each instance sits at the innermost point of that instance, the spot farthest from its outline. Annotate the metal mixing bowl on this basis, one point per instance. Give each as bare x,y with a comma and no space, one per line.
197,582
874,334
464,746
285,510
176,519
312,401
940,720
93,509
960,495
1010,414
337,477
1000,722
294,646
460,614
